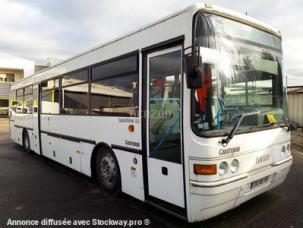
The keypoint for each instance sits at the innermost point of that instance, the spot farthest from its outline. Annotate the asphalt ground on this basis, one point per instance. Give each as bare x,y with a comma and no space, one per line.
32,187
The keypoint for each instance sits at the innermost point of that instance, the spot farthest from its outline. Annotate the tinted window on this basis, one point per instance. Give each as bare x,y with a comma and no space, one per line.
75,98
20,93
35,99
124,66
117,95
75,78
115,88
50,97
3,103
164,106
10,77
13,99
19,101
28,100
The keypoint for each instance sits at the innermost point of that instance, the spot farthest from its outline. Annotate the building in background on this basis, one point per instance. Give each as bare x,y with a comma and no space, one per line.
12,69
295,104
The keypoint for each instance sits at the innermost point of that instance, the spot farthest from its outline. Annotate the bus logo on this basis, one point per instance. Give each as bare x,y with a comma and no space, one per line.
229,150
262,158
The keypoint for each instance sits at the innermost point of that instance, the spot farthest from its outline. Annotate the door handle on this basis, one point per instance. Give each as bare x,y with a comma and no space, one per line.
164,171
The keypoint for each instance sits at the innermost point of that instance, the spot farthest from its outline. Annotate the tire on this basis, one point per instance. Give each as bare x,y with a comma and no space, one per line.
108,171
26,142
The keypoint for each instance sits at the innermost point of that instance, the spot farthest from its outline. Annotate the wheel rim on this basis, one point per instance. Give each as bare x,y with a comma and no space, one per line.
108,169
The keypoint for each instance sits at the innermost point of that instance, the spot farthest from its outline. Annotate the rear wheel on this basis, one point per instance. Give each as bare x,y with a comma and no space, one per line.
107,171
26,141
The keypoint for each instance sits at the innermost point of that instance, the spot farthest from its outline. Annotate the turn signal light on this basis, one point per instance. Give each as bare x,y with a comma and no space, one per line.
131,128
201,169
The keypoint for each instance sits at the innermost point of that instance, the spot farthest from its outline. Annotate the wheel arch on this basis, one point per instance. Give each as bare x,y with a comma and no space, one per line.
94,154
24,131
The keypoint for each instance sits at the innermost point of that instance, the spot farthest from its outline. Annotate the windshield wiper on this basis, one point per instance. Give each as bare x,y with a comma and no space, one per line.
231,134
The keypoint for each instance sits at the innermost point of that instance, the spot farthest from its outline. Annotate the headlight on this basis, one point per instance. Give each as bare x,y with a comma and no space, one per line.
234,166
223,168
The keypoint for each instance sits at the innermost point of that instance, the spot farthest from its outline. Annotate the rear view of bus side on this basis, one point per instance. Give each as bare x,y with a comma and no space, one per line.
187,113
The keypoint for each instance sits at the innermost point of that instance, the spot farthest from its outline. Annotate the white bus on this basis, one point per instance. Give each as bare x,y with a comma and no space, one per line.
188,113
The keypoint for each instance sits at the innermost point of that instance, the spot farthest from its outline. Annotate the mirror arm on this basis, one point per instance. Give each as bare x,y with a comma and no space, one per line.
226,140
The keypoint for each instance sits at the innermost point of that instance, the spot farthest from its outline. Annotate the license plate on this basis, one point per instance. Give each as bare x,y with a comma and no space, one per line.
259,182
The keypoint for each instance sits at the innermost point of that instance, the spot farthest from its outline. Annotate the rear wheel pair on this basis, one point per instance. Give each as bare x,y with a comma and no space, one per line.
107,171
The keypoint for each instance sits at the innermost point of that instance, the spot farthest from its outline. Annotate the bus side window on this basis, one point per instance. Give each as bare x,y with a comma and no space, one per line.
115,87
74,93
50,97
28,100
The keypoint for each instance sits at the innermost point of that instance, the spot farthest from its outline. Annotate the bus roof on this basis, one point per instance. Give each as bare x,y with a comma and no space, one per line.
190,9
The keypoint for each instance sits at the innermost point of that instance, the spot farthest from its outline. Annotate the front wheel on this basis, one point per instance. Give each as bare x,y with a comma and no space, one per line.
26,142
107,170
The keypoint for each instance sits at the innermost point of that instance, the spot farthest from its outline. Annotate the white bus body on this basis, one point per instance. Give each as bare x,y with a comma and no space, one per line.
174,160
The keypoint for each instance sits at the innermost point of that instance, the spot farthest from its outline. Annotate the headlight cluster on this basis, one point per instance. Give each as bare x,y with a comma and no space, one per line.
285,149
224,167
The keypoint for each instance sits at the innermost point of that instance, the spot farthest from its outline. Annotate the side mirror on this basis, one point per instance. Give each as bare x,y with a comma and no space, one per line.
291,126
193,69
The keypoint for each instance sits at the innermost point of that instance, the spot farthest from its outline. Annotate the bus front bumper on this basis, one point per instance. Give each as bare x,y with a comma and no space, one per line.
213,198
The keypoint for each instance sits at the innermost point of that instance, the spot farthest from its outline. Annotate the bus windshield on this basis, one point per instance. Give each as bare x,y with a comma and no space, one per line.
242,73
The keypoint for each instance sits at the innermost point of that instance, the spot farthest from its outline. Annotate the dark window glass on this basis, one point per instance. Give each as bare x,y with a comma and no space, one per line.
35,99
164,106
28,100
10,77
19,101
116,95
28,90
50,97
75,78
3,103
13,99
242,74
123,66
115,88
20,93
75,98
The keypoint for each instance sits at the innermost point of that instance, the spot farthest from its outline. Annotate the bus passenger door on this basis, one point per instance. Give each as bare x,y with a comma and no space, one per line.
36,136
163,121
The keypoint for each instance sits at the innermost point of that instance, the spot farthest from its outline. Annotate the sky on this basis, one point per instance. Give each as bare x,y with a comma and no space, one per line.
37,29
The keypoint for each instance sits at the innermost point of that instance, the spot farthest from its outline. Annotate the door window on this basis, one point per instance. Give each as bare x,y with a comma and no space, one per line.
164,106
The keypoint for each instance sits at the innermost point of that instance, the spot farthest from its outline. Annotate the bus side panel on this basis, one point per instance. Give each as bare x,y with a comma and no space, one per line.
13,130
78,135
19,122
16,134
35,145
131,173
45,145
85,158
70,152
